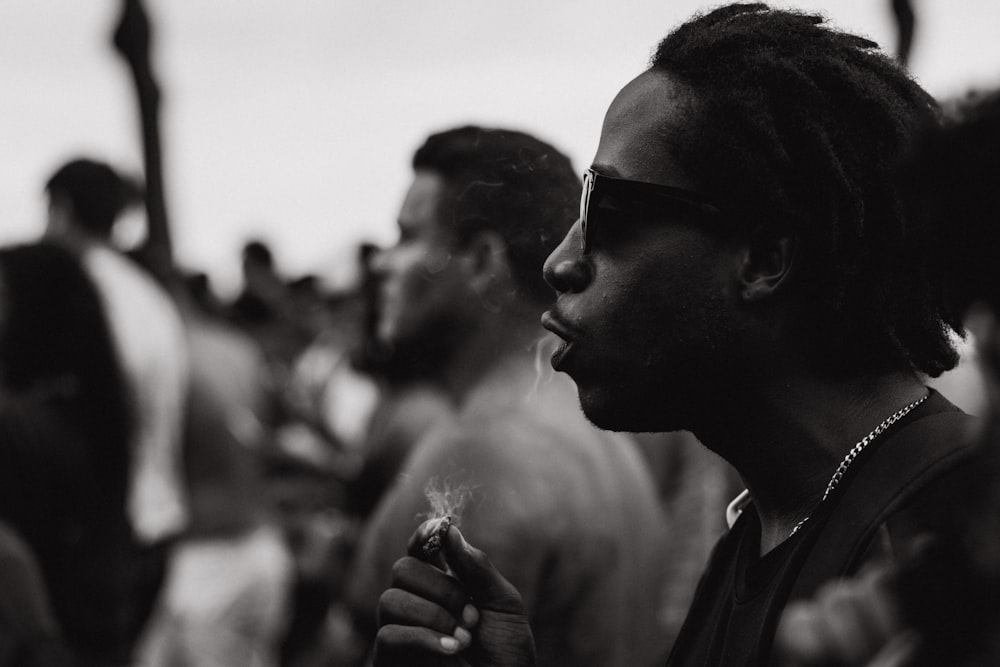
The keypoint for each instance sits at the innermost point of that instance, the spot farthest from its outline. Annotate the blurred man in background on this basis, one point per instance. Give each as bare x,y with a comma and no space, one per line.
85,199
65,435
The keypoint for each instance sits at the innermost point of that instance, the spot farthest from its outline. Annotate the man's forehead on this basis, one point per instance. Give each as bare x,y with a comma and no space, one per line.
646,120
422,203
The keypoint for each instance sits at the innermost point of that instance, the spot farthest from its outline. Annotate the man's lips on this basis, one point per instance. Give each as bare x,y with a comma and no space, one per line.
562,354
557,326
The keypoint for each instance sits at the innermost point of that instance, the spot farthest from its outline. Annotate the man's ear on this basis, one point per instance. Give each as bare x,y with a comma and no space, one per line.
486,255
767,261
60,215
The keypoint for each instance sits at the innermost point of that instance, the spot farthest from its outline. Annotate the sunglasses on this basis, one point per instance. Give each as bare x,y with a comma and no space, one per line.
597,188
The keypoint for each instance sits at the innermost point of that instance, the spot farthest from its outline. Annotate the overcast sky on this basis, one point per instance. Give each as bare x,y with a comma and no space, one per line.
294,120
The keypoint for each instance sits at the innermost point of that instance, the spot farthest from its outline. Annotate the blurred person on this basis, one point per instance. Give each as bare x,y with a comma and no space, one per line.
411,399
147,331
328,400
29,634
264,309
328,403
263,289
410,403
741,268
65,430
222,603
939,606
202,296
285,318
85,199
400,401
568,511
227,595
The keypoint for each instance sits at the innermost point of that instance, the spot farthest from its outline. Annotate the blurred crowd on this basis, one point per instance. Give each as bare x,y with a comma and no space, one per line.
189,480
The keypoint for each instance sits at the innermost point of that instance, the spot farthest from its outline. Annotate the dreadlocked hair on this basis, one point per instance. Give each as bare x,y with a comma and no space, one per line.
952,178
803,126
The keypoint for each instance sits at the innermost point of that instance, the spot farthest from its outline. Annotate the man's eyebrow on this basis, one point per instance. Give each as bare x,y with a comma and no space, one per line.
606,170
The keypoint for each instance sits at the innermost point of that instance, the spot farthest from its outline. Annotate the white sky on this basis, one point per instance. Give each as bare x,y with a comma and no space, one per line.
294,120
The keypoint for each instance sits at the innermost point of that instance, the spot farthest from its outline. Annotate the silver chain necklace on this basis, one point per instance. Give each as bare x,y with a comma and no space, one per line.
853,454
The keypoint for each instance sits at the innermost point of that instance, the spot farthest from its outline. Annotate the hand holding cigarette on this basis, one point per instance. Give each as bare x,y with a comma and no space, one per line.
467,615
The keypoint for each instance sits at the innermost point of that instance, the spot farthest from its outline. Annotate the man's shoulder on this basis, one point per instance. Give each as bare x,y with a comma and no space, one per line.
499,441
900,488
512,448
525,436
941,501
927,459
918,458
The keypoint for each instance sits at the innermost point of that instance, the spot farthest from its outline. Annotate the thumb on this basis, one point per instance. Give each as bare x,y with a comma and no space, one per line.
482,581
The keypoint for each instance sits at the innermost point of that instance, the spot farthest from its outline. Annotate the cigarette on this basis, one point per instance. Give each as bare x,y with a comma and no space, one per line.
434,542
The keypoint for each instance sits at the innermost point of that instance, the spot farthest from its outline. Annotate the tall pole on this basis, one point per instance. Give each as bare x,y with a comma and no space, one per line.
905,25
132,40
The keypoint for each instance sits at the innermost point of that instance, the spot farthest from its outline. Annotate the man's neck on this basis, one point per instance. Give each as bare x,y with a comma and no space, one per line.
787,444
499,341
73,236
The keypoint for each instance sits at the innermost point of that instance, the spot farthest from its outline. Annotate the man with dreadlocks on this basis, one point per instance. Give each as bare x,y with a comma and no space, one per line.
742,269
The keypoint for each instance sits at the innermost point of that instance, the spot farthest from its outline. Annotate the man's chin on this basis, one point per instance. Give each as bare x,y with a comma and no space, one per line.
617,413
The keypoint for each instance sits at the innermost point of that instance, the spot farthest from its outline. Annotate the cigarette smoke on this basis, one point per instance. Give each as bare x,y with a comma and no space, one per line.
451,495
544,348
448,497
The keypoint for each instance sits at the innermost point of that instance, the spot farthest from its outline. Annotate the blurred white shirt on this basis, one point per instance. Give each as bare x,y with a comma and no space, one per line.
149,337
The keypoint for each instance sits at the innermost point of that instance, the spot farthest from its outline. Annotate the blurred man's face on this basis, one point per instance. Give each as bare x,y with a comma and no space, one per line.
646,313
421,286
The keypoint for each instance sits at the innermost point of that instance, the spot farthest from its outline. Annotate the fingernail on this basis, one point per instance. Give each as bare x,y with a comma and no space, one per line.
463,636
449,644
470,616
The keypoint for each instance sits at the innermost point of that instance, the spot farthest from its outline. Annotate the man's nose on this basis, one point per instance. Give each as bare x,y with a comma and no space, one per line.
567,269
